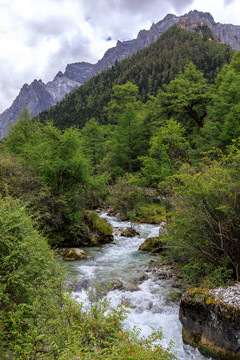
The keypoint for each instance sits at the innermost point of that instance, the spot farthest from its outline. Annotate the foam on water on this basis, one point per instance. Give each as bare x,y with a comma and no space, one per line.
121,261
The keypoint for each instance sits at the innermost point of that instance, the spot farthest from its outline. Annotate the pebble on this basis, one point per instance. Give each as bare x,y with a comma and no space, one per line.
229,295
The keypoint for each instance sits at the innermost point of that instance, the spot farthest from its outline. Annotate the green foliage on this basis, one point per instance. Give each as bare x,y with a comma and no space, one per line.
93,142
25,131
126,196
222,123
99,223
121,97
52,163
29,277
167,149
149,69
127,143
151,213
205,223
38,320
205,31
185,98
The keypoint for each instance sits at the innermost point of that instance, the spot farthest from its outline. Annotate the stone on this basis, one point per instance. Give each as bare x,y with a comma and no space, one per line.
211,321
75,254
131,287
129,232
116,285
152,244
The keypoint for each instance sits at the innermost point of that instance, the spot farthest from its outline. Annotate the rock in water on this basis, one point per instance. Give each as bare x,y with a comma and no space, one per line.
152,244
211,321
129,232
75,254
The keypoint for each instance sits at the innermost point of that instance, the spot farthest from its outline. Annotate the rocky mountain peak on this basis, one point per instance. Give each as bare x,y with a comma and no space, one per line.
39,96
59,74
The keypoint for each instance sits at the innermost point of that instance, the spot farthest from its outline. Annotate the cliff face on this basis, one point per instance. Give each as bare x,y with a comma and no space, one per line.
39,96
224,33
127,48
211,321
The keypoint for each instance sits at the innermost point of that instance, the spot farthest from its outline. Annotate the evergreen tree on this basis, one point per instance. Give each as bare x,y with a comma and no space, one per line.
222,124
185,98
166,153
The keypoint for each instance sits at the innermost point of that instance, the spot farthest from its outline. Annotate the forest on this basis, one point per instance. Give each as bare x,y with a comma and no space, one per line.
166,118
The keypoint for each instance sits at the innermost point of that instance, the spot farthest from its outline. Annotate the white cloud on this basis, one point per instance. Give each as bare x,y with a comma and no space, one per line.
39,38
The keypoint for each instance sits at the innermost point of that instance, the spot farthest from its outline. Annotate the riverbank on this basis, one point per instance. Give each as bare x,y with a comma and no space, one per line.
211,321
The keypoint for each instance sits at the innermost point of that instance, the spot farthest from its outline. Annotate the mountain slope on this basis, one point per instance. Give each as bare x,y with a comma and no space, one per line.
149,69
39,96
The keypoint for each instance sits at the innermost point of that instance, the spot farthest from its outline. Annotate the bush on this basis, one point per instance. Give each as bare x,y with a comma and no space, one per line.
126,196
151,213
205,223
38,320
30,279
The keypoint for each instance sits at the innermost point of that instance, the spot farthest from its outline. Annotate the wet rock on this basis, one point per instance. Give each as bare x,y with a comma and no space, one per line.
131,287
75,254
129,232
175,295
117,285
79,286
152,244
211,321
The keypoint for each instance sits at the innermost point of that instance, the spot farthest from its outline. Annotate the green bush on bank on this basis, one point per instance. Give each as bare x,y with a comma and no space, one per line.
204,227
38,320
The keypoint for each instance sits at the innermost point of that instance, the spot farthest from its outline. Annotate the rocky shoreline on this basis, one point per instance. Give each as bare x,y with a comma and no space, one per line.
211,321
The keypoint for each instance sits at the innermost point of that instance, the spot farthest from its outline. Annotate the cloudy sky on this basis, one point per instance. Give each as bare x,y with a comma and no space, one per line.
39,38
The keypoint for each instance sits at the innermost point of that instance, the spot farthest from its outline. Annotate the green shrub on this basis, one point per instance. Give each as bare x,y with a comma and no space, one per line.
126,196
151,213
99,223
39,320
30,279
204,230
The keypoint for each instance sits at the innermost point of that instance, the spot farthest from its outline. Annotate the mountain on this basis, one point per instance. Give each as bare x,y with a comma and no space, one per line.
39,96
150,69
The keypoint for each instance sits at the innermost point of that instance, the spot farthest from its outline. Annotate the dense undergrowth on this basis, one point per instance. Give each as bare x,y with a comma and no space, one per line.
39,320
177,133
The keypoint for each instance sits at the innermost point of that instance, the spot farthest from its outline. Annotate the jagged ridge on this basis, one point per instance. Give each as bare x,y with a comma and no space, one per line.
39,96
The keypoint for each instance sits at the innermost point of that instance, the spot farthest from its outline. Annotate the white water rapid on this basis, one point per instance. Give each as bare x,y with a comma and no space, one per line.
122,263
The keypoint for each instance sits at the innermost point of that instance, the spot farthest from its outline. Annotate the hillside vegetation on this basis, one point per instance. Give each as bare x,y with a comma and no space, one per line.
167,118
149,69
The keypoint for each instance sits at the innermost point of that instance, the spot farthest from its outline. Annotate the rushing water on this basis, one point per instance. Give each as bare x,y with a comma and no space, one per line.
121,262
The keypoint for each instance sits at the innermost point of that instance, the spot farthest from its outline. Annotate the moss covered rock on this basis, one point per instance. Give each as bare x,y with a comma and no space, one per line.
101,231
129,232
152,244
75,254
211,321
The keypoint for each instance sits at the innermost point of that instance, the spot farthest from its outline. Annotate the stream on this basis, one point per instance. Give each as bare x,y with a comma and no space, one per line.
145,291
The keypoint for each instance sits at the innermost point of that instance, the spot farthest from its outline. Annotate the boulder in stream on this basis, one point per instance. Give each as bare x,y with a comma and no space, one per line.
129,232
152,244
211,321
75,254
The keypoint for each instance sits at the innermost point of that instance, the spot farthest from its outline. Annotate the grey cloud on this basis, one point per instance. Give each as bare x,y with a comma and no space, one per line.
152,6
122,17
228,2
115,19
51,27
70,51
